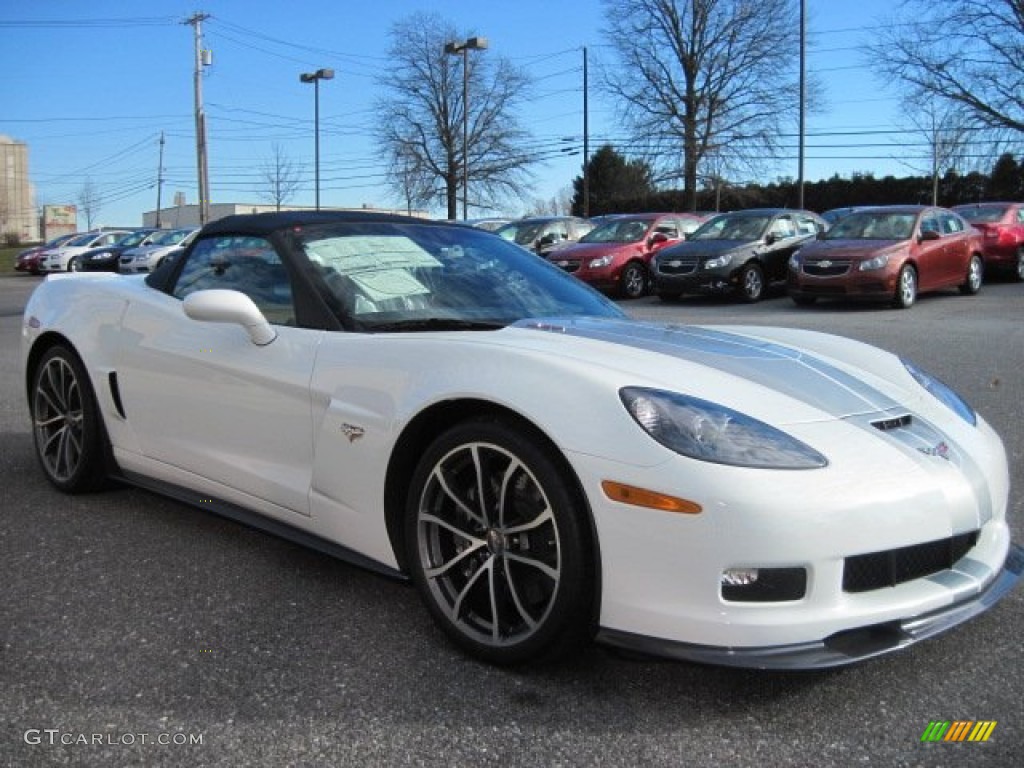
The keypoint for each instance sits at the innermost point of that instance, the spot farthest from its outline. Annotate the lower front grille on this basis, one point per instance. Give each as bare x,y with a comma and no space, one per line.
875,570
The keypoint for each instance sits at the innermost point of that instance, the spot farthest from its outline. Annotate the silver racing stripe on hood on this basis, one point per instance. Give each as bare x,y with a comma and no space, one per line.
789,371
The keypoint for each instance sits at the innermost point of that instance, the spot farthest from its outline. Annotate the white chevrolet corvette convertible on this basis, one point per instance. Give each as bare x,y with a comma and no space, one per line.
431,401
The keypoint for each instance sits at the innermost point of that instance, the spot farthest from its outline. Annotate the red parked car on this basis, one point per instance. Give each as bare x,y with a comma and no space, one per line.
890,253
28,260
1002,234
615,256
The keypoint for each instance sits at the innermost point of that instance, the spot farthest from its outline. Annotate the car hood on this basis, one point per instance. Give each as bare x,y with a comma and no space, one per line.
592,250
848,249
706,248
740,366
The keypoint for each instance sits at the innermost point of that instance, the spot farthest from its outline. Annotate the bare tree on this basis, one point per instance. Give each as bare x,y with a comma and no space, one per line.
89,202
946,132
420,118
968,53
704,77
280,176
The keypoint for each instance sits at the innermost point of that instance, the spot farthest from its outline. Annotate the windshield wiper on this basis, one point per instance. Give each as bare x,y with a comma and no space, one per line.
436,324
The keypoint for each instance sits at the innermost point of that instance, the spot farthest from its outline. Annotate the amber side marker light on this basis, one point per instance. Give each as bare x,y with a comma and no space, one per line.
641,497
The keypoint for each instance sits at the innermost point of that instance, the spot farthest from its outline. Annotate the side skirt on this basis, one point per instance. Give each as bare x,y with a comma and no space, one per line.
260,522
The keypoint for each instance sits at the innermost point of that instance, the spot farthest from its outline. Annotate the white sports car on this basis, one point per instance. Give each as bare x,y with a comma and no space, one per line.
431,401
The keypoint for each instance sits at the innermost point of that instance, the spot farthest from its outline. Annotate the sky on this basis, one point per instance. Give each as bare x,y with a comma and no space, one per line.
90,87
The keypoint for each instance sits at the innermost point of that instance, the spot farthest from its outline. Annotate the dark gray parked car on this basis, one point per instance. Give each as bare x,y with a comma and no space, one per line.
741,251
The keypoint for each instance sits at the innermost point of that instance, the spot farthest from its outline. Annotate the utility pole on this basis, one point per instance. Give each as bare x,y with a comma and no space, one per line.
586,142
201,58
803,102
159,179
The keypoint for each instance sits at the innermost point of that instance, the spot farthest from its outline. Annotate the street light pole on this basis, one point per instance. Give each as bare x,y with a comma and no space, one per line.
472,44
315,78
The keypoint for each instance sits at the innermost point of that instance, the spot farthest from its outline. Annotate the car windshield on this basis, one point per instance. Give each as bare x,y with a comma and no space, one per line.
619,230
745,227
873,225
133,238
81,240
522,232
398,277
982,214
171,237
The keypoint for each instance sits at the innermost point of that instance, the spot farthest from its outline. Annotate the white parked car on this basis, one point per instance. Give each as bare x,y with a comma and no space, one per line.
434,402
65,257
146,258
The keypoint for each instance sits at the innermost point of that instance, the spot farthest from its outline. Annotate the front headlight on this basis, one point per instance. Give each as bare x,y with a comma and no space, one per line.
602,261
876,263
942,392
709,432
794,261
101,255
719,261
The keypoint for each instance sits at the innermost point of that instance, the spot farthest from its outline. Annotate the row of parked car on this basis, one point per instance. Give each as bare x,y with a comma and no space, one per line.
110,250
887,253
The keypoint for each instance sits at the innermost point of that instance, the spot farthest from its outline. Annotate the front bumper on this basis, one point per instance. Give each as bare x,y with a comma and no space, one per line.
698,281
839,649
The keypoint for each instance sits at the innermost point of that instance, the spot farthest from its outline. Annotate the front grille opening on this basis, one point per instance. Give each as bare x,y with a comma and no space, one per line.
863,573
897,422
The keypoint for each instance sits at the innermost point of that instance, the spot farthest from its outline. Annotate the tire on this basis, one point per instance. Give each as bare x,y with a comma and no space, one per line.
906,288
804,301
633,281
751,283
973,279
1018,270
74,265
511,579
66,426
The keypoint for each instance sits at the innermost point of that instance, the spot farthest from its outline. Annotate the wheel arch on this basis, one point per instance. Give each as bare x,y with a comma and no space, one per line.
432,422
40,347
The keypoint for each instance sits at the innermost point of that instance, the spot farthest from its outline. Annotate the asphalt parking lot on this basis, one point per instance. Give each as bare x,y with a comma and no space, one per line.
137,631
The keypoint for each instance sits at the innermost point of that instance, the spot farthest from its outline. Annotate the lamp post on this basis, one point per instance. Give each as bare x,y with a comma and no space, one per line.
471,44
315,78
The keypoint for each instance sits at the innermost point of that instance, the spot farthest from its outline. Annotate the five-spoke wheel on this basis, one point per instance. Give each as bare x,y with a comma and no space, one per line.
65,422
498,543
906,288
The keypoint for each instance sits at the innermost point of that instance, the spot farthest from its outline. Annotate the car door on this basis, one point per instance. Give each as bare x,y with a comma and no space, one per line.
782,241
957,251
203,398
932,267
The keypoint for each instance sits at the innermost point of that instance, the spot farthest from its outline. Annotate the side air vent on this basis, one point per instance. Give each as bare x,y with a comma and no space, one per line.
897,422
115,394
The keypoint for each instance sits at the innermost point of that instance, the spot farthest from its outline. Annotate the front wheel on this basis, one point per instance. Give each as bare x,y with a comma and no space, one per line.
751,283
498,544
906,288
972,280
74,265
66,425
633,282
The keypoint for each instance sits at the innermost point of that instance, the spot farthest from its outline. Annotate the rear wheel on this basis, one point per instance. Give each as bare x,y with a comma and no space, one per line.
66,425
498,545
633,282
975,273
906,288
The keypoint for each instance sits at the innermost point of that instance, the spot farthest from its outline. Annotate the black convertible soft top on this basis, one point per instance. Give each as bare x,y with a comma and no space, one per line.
266,223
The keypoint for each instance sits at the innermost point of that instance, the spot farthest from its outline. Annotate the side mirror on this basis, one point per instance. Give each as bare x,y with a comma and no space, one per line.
656,238
930,234
770,238
821,234
218,305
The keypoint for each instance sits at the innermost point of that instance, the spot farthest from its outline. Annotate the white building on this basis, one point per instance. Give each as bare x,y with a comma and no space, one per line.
18,215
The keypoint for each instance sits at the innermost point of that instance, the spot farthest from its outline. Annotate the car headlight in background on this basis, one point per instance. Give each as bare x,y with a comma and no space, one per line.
710,432
876,263
601,261
943,393
719,261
